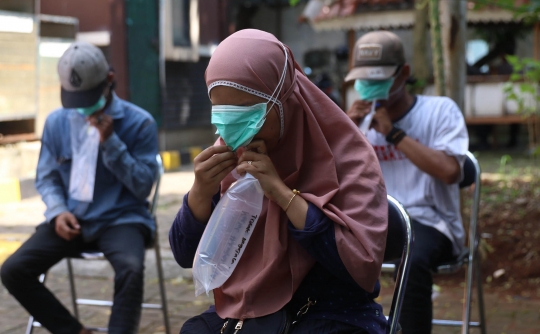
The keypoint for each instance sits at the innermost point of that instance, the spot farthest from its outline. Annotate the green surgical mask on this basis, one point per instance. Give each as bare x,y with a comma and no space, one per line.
370,90
237,125
92,109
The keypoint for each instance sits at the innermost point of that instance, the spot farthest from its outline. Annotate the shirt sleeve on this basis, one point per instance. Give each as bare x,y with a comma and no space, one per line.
450,132
48,180
137,168
186,232
319,239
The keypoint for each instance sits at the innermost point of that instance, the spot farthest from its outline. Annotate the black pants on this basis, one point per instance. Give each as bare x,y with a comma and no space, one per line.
124,248
211,323
431,248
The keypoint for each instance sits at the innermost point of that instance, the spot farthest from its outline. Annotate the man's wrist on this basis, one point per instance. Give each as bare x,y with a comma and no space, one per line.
395,135
110,140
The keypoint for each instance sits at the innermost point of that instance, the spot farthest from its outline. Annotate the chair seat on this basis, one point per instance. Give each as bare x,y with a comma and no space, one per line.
90,256
94,254
388,268
444,268
454,266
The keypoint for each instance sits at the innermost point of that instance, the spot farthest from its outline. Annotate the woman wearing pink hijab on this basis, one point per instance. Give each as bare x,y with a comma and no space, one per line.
317,248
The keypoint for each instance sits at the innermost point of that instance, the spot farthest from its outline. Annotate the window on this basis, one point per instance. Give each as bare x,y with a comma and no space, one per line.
180,23
180,30
476,49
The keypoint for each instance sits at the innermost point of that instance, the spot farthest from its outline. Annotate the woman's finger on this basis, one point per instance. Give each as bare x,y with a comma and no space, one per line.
247,168
221,175
252,156
211,151
215,170
258,146
216,160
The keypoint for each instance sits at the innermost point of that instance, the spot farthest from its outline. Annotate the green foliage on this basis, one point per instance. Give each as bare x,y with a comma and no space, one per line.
529,13
523,85
294,2
417,87
505,159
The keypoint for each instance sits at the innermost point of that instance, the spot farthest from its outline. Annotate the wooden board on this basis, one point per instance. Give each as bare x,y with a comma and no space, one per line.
510,119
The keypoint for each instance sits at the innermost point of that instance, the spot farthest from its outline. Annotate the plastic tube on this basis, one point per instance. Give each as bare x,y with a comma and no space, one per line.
366,122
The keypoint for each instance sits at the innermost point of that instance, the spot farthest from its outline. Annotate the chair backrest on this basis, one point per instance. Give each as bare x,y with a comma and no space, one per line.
471,171
397,231
472,175
472,167
399,243
154,195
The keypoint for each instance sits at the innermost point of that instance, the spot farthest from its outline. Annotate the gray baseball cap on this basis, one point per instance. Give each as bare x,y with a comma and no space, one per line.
377,56
83,71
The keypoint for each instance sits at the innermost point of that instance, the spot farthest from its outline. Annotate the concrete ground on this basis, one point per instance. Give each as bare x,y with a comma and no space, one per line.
94,278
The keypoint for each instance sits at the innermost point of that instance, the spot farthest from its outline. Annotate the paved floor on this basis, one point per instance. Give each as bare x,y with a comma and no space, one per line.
94,278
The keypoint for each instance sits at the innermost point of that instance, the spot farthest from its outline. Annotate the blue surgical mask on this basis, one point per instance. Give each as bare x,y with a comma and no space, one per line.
93,108
370,90
237,125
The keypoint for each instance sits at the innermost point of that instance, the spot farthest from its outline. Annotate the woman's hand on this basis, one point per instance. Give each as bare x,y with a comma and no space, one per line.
256,162
210,166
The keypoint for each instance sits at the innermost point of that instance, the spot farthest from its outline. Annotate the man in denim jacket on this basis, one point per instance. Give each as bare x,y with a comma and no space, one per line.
100,204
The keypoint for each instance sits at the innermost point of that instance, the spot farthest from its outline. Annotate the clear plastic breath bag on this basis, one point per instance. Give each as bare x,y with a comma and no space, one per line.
227,234
366,122
84,148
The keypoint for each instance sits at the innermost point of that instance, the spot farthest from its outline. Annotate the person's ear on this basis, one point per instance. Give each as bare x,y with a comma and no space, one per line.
405,71
110,77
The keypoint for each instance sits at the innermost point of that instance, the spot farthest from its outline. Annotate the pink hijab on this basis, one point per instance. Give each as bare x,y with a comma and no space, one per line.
322,154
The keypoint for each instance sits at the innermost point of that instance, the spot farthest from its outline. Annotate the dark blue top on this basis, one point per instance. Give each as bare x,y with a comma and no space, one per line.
125,172
329,283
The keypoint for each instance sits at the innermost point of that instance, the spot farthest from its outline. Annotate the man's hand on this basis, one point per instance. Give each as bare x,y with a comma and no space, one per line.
358,111
381,121
66,226
104,124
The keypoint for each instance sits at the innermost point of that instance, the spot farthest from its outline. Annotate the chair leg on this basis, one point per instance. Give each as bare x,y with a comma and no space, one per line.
161,281
469,281
30,326
481,309
72,287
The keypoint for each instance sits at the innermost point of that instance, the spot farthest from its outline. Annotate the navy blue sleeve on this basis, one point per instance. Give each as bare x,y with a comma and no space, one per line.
186,232
319,239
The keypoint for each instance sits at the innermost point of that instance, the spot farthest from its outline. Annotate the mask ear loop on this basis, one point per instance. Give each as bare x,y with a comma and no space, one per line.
398,89
279,86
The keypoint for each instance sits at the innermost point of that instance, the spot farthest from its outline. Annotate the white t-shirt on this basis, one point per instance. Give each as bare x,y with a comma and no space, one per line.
435,122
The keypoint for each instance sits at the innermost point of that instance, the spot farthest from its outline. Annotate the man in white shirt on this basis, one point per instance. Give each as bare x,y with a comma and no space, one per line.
421,142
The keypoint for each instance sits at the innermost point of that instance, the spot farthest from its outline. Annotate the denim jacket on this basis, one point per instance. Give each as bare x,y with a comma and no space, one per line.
125,172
